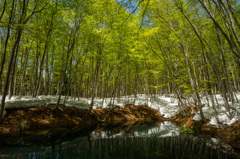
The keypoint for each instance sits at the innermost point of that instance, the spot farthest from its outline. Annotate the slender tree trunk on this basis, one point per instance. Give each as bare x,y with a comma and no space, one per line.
38,88
4,8
63,72
3,59
193,80
230,42
11,87
11,61
94,82
71,45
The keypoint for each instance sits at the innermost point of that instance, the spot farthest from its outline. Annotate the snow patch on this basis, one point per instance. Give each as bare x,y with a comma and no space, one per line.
26,101
223,116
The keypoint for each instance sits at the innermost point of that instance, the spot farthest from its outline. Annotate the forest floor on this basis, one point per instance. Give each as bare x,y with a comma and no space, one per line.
229,134
23,121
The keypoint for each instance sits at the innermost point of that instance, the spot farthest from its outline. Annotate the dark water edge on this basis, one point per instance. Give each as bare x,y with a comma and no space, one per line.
149,148
141,142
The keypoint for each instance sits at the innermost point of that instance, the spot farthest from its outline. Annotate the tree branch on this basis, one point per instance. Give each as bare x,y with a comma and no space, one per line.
26,20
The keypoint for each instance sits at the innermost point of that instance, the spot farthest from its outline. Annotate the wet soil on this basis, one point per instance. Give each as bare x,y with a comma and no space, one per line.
128,113
45,117
229,134
127,118
25,125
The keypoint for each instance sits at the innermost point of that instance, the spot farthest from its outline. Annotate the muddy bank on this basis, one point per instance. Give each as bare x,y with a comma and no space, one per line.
124,119
229,134
45,117
128,113
49,120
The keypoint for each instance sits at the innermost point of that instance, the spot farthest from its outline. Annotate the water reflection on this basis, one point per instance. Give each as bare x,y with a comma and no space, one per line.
163,141
162,130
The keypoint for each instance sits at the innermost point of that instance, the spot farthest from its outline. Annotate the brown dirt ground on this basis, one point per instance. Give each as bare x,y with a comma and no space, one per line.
229,134
125,119
51,117
45,117
41,125
128,113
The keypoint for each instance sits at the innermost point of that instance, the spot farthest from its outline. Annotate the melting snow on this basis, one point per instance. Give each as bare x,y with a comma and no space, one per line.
223,115
164,104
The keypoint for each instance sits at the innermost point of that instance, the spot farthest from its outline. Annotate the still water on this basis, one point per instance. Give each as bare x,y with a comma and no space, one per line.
135,142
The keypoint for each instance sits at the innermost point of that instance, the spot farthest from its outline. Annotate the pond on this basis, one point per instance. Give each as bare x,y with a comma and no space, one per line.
142,142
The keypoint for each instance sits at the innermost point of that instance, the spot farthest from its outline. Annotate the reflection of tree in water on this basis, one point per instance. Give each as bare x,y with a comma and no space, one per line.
183,146
151,147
